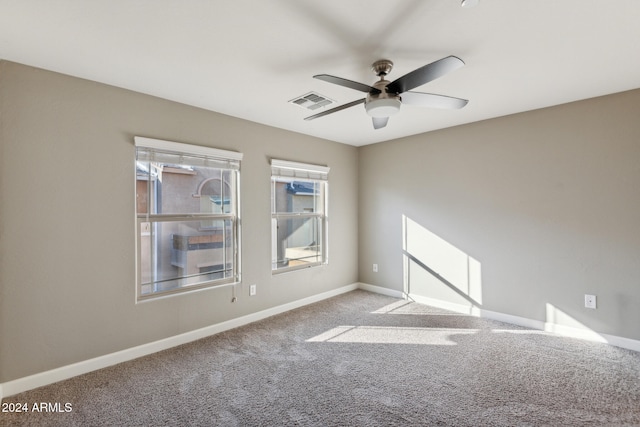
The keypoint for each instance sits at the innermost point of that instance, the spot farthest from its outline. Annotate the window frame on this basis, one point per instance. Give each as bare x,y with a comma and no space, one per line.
296,171
190,155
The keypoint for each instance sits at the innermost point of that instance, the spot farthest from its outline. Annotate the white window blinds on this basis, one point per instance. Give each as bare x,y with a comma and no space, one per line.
157,150
284,168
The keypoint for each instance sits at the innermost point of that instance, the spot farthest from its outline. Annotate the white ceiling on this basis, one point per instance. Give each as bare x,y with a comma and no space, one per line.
248,58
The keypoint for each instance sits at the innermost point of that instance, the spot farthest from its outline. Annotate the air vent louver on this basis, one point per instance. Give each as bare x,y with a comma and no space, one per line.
312,101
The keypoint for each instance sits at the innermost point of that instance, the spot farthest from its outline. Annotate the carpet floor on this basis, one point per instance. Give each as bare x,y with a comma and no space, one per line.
359,359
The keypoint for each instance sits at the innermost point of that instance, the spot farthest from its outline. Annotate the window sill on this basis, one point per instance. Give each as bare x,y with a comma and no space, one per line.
297,268
184,290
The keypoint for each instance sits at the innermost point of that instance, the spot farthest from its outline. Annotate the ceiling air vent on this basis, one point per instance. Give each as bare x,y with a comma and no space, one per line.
312,101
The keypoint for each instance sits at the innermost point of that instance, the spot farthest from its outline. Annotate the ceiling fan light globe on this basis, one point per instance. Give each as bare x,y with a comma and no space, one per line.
383,107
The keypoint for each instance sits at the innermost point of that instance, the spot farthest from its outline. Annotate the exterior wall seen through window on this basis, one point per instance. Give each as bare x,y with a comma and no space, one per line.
187,220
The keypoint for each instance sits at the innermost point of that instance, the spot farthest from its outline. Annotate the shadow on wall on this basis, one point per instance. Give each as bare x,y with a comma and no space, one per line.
434,269
438,273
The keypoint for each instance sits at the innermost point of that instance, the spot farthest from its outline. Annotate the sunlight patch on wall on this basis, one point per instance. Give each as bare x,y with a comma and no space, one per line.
561,323
391,335
436,269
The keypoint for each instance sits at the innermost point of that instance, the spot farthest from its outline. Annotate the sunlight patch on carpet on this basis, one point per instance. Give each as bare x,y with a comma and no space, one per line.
392,335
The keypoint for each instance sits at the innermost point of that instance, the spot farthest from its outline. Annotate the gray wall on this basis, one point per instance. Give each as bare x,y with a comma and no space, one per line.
67,226
540,207
544,205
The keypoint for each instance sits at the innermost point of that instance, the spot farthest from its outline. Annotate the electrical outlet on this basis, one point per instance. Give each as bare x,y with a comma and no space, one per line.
375,268
590,301
252,290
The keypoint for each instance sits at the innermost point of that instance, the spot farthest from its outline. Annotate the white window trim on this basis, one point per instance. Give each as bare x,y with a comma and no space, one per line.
201,151
177,147
303,171
285,164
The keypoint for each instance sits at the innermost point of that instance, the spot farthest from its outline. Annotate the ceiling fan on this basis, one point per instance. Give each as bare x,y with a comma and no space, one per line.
384,98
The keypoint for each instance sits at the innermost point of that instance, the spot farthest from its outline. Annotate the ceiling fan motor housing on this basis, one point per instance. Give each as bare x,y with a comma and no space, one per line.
385,98
382,104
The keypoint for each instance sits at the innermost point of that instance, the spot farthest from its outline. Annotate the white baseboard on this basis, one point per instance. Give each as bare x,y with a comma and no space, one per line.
566,331
513,320
65,372
69,371
622,342
446,305
380,290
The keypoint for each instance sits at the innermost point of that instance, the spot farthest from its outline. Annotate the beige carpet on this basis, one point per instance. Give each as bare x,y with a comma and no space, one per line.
359,359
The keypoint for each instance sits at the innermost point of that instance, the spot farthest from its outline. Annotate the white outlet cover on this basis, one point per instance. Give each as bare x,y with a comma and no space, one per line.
590,301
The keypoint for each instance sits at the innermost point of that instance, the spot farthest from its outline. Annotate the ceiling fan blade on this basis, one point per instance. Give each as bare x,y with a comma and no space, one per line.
432,100
380,122
347,83
425,74
333,110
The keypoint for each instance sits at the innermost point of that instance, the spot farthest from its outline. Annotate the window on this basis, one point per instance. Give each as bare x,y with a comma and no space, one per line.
298,215
186,216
